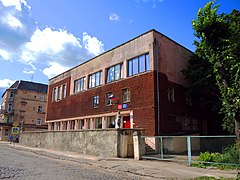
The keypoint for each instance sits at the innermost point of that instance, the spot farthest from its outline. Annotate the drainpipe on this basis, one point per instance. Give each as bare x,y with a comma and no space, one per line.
158,91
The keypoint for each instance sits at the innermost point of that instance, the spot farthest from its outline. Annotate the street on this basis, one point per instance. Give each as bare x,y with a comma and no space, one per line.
18,164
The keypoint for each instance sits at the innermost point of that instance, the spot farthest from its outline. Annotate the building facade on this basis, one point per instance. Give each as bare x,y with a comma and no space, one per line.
139,81
23,106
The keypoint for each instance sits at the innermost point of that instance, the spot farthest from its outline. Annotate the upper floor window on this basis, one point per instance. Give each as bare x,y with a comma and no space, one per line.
64,91
39,121
79,85
114,73
40,109
109,98
10,107
95,79
125,95
11,94
41,97
170,94
95,101
138,65
54,98
58,93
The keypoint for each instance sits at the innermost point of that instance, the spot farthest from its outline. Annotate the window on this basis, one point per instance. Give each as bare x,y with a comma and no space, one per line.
11,94
125,95
58,93
138,65
6,132
79,85
170,94
95,79
111,121
95,101
109,98
40,109
114,73
98,123
41,97
64,91
9,107
39,121
54,94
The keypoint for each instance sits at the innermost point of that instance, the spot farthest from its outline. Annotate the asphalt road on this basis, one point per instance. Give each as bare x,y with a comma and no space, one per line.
17,164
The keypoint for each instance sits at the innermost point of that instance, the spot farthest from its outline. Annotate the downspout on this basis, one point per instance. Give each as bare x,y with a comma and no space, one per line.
158,90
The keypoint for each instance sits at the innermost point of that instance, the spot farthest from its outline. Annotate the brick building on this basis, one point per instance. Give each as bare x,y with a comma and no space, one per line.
24,105
141,80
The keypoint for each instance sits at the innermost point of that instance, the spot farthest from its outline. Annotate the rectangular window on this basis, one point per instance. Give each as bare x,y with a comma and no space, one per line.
138,65
98,123
39,121
6,132
114,73
170,94
54,94
79,85
41,97
9,107
95,101
11,94
59,93
111,121
64,91
125,95
40,109
95,79
109,98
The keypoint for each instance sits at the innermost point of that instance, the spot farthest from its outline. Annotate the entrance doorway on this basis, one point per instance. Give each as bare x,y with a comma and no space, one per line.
126,122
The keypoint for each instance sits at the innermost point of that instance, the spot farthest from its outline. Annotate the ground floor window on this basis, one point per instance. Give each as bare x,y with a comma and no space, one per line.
98,123
6,132
111,121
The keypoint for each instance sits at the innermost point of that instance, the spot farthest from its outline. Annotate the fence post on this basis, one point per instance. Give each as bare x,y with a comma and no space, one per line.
189,150
161,147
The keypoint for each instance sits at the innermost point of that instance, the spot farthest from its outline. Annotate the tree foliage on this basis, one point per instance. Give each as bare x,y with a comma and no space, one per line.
218,50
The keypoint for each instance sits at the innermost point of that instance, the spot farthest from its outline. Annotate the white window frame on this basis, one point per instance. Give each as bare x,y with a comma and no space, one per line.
39,121
126,95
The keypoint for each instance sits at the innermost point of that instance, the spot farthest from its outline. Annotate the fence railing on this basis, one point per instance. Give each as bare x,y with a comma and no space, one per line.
185,148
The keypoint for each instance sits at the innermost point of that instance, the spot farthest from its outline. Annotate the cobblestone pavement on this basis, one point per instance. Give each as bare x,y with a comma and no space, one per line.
17,164
22,162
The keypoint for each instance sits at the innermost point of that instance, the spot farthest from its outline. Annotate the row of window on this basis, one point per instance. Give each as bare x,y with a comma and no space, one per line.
137,65
96,124
59,92
134,66
110,98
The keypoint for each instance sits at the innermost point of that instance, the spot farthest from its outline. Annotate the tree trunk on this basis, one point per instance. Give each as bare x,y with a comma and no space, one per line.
237,131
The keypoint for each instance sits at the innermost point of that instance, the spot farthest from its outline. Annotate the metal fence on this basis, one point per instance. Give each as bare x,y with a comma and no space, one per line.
184,148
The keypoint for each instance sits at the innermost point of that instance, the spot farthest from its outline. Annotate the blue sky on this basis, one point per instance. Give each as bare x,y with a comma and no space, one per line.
42,38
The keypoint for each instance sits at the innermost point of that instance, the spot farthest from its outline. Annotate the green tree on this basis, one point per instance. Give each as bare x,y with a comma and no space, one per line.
218,47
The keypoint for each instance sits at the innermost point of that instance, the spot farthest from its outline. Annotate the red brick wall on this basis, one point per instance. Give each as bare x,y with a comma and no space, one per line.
80,104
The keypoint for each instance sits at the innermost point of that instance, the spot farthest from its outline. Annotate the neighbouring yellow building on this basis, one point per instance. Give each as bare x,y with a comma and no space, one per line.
23,107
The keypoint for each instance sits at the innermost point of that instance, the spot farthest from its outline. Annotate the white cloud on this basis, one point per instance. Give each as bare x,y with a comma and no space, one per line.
21,40
54,69
16,3
6,83
92,44
12,21
114,17
4,54
27,71
154,3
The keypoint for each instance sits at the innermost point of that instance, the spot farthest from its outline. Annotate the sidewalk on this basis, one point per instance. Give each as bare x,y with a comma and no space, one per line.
150,169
